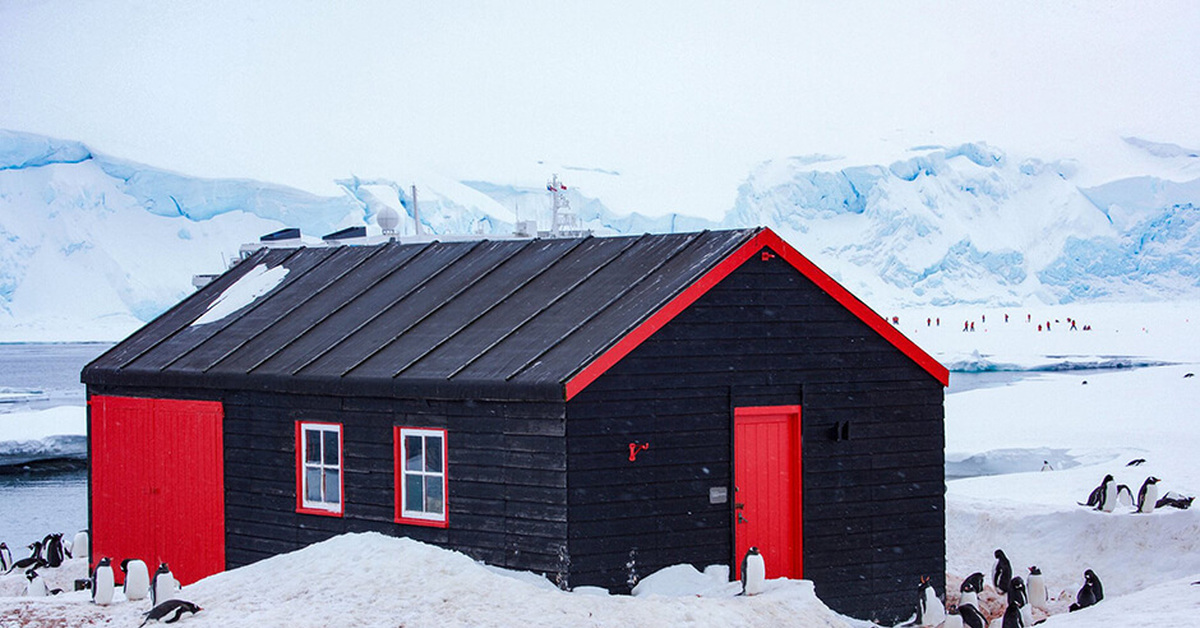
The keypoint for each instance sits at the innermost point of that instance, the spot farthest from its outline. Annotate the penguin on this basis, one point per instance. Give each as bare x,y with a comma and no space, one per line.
1124,496
1012,617
971,617
36,587
5,557
102,583
169,612
930,611
35,550
33,561
754,572
1104,497
1090,593
1046,466
163,585
54,549
1038,597
1019,597
79,546
970,590
1135,462
1001,572
1148,495
137,579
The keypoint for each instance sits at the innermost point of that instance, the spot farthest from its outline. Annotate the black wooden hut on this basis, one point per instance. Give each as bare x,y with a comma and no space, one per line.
593,408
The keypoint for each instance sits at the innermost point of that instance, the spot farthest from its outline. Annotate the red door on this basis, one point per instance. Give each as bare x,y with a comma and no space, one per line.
157,484
767,487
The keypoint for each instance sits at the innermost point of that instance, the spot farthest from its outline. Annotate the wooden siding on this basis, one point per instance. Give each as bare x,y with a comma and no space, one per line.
506,465
873,510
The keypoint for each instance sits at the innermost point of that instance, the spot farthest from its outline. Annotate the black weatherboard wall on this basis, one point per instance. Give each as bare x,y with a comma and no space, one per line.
873,516
543,360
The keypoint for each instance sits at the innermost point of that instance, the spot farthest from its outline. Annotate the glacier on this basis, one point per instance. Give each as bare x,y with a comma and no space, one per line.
95,245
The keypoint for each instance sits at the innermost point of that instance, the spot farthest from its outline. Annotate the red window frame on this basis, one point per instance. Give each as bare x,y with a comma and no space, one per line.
424,519
314,510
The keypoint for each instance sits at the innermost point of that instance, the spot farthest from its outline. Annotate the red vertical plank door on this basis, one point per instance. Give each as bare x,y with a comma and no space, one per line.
767,497
158,484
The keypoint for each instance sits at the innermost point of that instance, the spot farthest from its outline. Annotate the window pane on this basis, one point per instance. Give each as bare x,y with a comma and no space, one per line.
312,484
333,487
414,496
433,494
433,454
412,450
331,447
312,445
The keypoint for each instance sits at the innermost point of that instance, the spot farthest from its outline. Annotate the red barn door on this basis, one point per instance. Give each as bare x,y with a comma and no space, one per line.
767,487
157,478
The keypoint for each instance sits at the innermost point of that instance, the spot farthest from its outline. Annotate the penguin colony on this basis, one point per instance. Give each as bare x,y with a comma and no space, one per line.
1022,596
52,551
1109,494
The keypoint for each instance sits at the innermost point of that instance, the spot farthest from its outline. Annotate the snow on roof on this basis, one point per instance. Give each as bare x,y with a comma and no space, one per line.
255,283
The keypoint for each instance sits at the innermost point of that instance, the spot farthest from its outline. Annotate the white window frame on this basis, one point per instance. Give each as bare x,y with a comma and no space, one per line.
420,517
323,505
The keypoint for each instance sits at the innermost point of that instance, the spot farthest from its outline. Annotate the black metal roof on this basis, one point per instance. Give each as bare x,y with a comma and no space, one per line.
500,319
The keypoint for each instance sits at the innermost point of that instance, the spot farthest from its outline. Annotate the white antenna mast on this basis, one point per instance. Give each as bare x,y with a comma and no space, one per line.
416,213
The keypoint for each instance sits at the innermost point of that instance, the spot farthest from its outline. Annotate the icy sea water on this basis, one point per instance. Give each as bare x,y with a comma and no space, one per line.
34,503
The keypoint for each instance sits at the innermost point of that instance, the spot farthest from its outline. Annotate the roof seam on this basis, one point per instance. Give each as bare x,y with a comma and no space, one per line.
683,246
493,306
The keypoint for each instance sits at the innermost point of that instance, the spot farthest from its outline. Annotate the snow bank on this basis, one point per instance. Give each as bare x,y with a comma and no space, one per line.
56,433
255,283
376,580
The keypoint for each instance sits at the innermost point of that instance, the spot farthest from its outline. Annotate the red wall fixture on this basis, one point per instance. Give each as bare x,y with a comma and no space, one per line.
157,483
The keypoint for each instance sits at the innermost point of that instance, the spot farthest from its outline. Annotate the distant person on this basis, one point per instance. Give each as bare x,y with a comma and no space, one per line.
966,325
928,322
972,325
939,321
1073,328
1039,327
1006,317
1047,325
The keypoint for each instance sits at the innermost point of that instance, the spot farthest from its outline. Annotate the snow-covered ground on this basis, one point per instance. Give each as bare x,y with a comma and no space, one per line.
1004,429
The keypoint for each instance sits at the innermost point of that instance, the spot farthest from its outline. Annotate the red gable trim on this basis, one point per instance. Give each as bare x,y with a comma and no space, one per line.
765,238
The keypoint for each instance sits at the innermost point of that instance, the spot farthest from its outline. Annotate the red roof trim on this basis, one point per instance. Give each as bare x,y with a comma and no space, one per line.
768,239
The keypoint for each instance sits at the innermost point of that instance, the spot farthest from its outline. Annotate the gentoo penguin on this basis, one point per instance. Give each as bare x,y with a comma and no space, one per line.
79,546
971,617
137,579
970,590
1046,466
1124,496
1090,593
1019,597
102,583
930,611
754,572
170,612
1148,495
1001,572
1135,462
1038,597
163,585
36,587
1104,497
5,557
1012,617
33,561
54,549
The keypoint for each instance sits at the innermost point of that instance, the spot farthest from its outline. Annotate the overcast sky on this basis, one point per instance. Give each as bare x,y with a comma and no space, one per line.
677,96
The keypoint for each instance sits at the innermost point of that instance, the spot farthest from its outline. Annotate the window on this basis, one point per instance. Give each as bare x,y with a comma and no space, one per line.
421,476
319,468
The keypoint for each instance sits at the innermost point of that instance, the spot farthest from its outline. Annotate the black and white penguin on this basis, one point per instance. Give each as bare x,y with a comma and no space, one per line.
1012,617
36,587
930,611
754,572
1046,466
170,612
1039,598
1135,462
163,585
137,579
1104,497
79,545
1090,593
5,557
33,561
971,617
103,584
1019,597
54,549
970,590
1148,495
1001,572
1124,496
